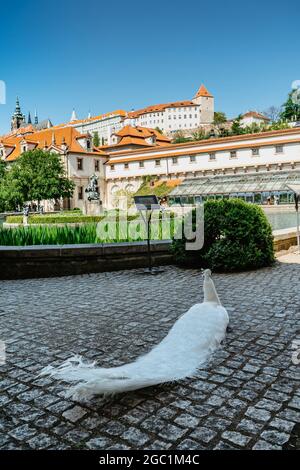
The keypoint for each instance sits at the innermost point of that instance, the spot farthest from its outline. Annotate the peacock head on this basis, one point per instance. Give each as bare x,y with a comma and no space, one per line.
206,273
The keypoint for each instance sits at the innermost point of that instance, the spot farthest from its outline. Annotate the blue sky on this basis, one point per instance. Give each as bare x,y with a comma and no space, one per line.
102,56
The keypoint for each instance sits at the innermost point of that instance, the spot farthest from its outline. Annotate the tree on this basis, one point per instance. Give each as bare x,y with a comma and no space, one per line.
273,113
36,176
236,128
219,118
180,138
291,108
96,139
199,134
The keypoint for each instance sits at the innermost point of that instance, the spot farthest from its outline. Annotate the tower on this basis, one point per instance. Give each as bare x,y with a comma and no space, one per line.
29,118
73,116
18,119
36,120
206,102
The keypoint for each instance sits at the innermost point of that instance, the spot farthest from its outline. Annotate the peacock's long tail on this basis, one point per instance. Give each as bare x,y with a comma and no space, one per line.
188,345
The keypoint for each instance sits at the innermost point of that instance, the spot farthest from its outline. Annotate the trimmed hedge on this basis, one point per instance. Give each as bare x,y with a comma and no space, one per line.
237,237
53,219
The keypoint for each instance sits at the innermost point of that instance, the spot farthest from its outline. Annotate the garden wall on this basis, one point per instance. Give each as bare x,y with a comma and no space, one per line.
64,260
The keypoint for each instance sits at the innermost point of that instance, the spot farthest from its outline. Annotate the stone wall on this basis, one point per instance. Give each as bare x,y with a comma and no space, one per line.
49,261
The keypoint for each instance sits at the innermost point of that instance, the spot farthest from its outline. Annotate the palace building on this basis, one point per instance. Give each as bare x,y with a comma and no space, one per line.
252,166
185,115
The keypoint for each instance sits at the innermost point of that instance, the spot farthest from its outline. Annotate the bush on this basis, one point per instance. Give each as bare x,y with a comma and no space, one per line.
237,236
54,219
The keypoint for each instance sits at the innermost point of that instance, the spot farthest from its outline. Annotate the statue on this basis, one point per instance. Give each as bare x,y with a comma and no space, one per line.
92,189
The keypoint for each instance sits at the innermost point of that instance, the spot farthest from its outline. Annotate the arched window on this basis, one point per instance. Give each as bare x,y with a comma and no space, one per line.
114,189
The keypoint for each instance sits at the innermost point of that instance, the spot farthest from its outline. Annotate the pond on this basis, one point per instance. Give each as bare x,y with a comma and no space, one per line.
280,220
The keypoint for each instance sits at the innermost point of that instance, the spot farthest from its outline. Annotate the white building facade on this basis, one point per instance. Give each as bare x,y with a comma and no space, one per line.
273,151
176,116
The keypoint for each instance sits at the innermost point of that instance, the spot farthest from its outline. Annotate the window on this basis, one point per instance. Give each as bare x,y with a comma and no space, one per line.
212,156
157,162
112,167
79,164
80,192
233,154
174,160
192,158
126,166
255,152
24,148
88,145
141,164
97,165
279,149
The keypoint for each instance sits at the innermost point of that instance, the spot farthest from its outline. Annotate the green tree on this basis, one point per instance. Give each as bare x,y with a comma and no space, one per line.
199,134
2,169
291,108
36,176
96,139
179,138
236,128
219,118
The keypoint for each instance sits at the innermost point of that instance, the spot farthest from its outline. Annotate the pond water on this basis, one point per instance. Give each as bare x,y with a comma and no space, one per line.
280,220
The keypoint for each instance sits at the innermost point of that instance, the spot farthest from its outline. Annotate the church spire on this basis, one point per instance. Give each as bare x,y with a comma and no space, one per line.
29,118
73,116
18,119
36,120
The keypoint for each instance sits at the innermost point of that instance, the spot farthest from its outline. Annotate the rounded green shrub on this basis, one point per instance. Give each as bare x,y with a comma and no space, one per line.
237,237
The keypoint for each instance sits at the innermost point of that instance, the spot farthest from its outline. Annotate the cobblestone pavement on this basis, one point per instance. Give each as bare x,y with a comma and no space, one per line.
248,397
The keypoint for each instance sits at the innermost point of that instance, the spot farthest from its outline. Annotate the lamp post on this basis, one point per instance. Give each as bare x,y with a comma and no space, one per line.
296,191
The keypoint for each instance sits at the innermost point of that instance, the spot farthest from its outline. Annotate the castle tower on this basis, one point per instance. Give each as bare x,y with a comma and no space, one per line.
206,102
18,119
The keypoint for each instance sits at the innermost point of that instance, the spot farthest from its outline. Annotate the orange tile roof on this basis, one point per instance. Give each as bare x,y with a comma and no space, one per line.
203,92
44,138
130,135
118,112
160,107
255,114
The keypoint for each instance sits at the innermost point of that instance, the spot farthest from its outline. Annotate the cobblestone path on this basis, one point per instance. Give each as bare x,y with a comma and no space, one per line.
248,396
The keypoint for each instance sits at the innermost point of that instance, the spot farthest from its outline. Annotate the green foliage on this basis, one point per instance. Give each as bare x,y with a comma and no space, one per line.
179,138
54,219
199,134
236,128
87,233
35,176
290,109
237,237
219,118
96,139
24,236
158,190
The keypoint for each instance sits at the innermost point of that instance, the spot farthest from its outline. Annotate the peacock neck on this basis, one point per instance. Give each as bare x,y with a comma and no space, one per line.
210,293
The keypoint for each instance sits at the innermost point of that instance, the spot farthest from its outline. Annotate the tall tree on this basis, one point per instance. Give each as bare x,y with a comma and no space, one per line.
96,139
37,176
291,108
236,128
219,118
